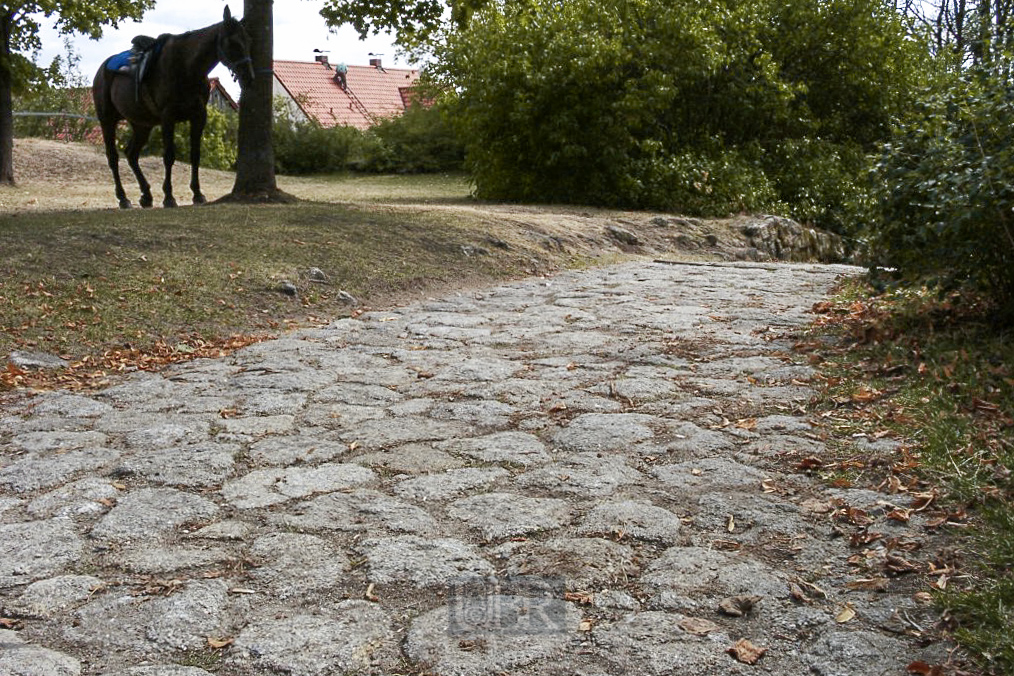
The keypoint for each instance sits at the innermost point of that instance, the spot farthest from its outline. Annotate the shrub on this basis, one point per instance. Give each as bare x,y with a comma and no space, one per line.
945,189
218,143
763,103
420,141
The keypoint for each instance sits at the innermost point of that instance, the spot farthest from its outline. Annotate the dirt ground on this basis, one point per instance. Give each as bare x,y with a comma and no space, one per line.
54,175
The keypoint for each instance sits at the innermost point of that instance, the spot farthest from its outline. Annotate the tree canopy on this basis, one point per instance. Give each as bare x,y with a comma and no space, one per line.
413,22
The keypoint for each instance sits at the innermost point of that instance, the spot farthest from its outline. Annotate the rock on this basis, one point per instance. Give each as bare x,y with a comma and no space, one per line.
423,561
288,288
36,361
502,515
34,550
150,512
300,644
632,519
785,239
19,658
56,595
622,235
487,633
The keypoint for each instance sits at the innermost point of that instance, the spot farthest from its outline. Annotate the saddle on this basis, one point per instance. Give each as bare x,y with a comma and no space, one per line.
138,60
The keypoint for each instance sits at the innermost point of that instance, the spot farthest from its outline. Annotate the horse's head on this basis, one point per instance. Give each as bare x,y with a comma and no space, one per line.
234,49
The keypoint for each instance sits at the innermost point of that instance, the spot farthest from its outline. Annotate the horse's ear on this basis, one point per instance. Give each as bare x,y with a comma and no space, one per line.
228,14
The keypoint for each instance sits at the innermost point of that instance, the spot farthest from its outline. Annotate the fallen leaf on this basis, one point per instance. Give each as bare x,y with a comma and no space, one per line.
846,614
797,593
219,642
746,652
869,584
697,626
807,464
582,597
731,525
369,595
737,606
9,622
748,424
920,667
587,624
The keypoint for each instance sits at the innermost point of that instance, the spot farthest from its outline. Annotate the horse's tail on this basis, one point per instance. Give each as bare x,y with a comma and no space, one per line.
100,90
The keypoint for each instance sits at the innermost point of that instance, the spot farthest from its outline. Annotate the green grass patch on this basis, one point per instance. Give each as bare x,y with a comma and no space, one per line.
83,283
937,375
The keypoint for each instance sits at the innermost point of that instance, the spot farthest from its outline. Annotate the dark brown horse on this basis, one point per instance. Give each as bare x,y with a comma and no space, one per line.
175,89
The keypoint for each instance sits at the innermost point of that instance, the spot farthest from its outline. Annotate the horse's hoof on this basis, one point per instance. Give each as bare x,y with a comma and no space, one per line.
146,202
125,204
200,199
169,203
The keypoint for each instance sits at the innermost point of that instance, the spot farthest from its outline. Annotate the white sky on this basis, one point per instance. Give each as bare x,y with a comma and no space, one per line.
298,29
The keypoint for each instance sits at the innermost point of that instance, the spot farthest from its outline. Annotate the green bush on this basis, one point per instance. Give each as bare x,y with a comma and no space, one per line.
423,140
59,100
309,148
218,143
944,210
763,104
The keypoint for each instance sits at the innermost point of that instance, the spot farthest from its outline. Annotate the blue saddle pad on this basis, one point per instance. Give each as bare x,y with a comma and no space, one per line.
120,61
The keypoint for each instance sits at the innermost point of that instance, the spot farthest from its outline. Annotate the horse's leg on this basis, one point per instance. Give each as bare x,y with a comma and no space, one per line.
168,158
138,139
109,138
196,130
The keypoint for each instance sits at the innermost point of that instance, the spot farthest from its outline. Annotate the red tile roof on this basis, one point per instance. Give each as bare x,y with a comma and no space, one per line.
372,93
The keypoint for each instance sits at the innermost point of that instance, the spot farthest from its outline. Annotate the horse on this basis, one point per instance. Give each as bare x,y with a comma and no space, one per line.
175,89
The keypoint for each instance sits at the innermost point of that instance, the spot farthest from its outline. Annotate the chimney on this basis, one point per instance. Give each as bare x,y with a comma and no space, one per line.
322,59
376,64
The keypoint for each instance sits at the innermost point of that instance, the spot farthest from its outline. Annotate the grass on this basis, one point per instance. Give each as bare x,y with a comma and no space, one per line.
938,376
83,284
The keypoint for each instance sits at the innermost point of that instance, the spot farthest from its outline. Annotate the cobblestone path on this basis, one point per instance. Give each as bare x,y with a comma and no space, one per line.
575,475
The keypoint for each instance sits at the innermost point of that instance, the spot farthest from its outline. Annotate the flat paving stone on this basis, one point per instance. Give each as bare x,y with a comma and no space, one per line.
45,470
265,487
509,448
359,510
423,561
20,658
296,564
198,465
149,512
583,474
605,431
632,519
448,484
33,550
492,634
502,515
84,497
584,564
340,641
55,596
692,578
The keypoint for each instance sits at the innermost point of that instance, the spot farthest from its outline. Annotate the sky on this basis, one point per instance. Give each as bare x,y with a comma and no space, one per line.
298,29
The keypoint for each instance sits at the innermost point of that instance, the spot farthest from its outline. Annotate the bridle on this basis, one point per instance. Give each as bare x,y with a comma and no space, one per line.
232,65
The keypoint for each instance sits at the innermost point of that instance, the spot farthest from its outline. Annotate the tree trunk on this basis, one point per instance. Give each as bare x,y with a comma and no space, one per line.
255,161
6,104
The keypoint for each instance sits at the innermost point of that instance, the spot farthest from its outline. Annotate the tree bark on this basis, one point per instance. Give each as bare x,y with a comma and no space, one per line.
6,104
255,161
